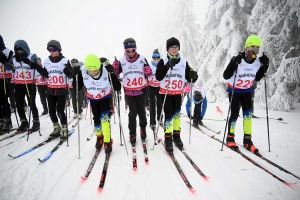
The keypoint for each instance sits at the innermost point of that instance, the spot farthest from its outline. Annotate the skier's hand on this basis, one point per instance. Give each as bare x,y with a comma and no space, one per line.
147,71
193,75
109,68
264,60
20,58
3,58
75,70
172,62
238,59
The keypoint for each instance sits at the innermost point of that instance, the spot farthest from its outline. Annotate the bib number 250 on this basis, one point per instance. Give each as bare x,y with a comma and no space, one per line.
175,84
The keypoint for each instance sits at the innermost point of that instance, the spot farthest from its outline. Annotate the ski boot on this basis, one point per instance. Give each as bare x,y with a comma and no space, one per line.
24,126
143,134
63,132
248,144
56,131
231,142
168,143
35,125
99,142
177,139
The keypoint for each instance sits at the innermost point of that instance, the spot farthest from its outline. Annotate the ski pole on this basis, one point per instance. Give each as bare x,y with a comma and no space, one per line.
229,108
266,98
191,105
113,93
162,108
78,124
118,107
66,110
5,97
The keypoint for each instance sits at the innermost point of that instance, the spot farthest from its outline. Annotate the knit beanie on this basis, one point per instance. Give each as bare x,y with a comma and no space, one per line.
92,62
55,44
253,40
171,42
129,43
155,54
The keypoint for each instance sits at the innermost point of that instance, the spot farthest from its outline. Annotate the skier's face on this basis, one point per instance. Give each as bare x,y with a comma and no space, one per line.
173,50
130,52
252,51
93,72
53,52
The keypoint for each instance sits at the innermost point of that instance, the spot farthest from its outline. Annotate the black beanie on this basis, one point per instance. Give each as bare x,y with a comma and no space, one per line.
55,44
129,43
171,42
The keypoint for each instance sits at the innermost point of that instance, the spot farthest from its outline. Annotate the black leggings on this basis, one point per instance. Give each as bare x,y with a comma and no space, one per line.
57,104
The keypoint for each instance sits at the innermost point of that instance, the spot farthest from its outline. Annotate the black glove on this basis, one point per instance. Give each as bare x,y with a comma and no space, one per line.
68,70
193,75
238,59
20,58
75,70
172,62
190,117
264,60
34,65
3,58
110,68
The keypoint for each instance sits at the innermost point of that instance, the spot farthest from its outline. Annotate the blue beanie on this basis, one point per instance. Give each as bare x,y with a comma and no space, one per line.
155,54
1,42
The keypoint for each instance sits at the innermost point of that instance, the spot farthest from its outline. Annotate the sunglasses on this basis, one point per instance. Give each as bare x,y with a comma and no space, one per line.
130,51
51,49
253,49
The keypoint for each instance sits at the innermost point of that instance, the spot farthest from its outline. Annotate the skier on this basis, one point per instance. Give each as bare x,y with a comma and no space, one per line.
56,69
200,100
155,100
5,77
96,78
22,62
41,84
72,86
246,67
172,88
134,67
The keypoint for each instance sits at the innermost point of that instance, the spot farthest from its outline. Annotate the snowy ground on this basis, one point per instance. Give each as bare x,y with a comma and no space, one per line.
231,176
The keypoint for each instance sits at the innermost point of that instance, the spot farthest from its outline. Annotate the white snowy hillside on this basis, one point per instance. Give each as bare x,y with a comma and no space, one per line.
230,175
228,23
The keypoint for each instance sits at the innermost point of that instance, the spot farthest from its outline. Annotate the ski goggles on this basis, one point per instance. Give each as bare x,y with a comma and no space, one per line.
253,49
130,50
51,49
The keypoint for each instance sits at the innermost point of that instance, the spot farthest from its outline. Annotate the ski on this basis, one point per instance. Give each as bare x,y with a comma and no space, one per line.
193,164
33,148
91,135
89,170
104,171
181,173
145,151
72,120
216,132
56,147
105,166
249,159
2,132
16,133
279,120
134,163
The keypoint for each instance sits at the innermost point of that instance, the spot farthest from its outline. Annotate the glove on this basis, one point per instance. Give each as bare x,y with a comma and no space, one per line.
116,65
238,59
193,75
264,60
68,70
190,117
110,68
172,62
20,58
147,71
34,65
75,70
3,58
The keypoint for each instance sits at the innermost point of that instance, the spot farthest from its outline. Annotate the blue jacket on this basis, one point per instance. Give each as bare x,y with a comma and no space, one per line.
204,106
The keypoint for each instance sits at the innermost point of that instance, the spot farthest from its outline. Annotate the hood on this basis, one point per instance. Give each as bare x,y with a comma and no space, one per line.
1,42
23,44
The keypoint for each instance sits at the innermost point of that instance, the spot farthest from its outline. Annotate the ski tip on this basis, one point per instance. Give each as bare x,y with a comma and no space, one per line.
83,178
40,160
10,155
87,139
290,184
219,132
192,190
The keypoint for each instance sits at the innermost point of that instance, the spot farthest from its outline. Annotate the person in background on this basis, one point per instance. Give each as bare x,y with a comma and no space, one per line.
245,68
41,84
171,88
5,77
72,86
155,97
200,100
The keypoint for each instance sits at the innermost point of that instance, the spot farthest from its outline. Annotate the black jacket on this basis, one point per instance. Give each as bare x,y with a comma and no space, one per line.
67,71
162,69
232,66
80,79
